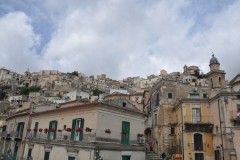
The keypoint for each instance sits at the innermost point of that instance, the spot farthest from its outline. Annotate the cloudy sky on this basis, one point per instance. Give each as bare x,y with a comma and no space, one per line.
119,37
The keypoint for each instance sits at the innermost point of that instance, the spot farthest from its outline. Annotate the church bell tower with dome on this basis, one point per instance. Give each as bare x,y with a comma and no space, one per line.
216,77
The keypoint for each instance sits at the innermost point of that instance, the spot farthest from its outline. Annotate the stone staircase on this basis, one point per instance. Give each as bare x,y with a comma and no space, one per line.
150,155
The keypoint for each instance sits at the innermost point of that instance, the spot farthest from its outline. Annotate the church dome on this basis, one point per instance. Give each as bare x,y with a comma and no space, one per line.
213,60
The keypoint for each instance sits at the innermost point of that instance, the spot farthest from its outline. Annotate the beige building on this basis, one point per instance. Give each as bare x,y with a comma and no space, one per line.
14,133
192,120
83,132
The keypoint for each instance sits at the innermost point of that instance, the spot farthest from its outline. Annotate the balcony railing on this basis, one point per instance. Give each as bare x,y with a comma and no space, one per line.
198,124
13,134
93,136
198,147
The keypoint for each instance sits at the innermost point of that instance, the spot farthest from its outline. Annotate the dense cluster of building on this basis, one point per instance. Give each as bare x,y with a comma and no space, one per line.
53,115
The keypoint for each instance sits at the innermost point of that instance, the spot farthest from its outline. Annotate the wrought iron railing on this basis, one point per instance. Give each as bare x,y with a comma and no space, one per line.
93,136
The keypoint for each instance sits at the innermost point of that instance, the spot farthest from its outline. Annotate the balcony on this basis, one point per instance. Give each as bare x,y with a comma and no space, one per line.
198,147
198,124
88,137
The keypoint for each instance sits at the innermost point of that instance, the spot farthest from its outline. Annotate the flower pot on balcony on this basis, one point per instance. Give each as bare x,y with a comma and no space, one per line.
68,129
35,130
88,129
40,130
59,130
107,131
29,130
139,135
79,130
45,130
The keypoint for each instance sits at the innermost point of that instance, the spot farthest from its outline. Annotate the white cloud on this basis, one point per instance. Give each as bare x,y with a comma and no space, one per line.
129,38
18,42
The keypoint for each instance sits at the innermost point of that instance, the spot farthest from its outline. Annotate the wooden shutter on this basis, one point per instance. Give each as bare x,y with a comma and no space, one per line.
81,126
125,132
49,128
73,129
55,129
35,128
21,129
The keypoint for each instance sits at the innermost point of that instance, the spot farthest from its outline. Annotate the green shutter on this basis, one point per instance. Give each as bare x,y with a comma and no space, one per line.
81,126
46,155
125,132
35,128
71,158
18,127
50,126
15,151
55,131
29,153
126,157
73,129
21,129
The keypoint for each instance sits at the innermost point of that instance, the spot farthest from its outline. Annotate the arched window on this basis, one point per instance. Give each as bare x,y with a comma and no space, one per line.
220,81
198,142
211,83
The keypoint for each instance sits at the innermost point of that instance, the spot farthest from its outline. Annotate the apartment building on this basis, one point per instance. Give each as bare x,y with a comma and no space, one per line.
87,131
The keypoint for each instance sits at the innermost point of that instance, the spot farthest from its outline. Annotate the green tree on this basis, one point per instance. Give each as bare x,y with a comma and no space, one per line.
26,90
96,92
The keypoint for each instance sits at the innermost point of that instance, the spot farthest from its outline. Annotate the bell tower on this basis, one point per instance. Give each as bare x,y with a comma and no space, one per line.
216,77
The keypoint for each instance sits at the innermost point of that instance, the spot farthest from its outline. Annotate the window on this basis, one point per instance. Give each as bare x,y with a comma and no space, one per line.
169,95
15,151
196,115
199,156
172,130
77,135
155,119
71,158
211,83
238,107
124,104
198,142
29,153
194,95
46,155
157,99
52,133
125,132
126,157
217,155
20,128
35,130
205,95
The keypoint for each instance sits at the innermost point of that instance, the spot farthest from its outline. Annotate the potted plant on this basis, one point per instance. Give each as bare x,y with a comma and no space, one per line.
45,130
68,129
52,129
59,130
139,134
40,129
29,130
88,129
108,131
35,130
78,129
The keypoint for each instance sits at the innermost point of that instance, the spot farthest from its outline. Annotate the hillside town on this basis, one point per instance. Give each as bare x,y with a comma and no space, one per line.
184,115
